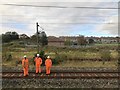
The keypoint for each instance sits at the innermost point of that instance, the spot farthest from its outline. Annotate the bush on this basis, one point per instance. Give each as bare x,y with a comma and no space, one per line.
7,57
18,62
105,55
31,61
59,58
119,61
56,60
21,43
43,56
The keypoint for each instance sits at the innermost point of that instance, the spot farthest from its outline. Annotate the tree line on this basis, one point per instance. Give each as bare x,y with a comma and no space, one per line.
11,36
43,39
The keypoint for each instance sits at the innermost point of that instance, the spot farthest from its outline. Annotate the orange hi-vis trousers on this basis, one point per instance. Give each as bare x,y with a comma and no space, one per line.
48,69
25,65
38,68
25,71
38,62
48,64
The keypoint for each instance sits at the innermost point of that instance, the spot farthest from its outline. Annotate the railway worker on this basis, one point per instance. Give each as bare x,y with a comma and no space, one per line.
25,65
48,64
38,62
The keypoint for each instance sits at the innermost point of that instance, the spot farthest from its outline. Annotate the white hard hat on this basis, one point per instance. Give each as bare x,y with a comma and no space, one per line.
37,55
25,56
48,56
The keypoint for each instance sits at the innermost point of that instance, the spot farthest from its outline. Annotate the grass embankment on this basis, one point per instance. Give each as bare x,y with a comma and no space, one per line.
68,57
108,64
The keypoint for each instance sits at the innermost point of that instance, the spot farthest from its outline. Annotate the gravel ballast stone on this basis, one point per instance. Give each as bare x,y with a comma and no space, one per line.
60,83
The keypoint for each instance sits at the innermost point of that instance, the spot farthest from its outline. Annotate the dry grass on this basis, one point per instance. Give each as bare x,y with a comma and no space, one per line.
108,64
18,53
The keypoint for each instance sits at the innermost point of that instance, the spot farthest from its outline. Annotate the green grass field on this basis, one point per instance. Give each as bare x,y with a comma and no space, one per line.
69,56
108,64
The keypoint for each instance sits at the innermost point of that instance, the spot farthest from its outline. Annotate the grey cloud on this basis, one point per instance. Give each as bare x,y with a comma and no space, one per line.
31,15
109,28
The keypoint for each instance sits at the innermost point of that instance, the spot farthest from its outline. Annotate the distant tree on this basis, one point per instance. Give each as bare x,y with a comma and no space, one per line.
43,40
5,38
91,41
14,35
9,36
34,38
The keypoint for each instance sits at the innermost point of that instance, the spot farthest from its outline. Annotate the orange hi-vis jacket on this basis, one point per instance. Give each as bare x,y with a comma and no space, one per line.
38,61
25,63
48,63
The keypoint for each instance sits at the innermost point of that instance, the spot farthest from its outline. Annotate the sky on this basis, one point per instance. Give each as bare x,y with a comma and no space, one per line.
68,21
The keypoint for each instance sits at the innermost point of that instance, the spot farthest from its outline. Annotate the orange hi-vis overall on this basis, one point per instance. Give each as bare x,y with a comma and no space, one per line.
38,62
48,64
25,64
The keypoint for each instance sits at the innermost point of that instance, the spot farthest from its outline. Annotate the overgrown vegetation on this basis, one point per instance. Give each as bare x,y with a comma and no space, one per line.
9,36
14,51
42,40
105,55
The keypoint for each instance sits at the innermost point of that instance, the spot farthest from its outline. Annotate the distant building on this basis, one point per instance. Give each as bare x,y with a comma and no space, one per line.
74,40
54,41
109,40
95,39
23,36
70,38
80,40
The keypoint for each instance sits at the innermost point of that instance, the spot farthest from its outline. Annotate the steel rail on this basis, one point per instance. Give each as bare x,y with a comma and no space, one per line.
63,71
64,75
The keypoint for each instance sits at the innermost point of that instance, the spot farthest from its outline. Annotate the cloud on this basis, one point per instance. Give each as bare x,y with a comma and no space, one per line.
28,16
109,28
14,1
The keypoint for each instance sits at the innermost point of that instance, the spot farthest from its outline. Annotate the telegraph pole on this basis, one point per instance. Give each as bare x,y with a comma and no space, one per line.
37,38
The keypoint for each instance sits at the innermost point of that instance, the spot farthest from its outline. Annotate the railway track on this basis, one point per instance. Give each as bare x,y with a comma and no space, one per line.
62,75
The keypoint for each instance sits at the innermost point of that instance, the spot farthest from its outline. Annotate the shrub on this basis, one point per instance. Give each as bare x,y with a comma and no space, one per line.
18,62
105,55
21,43
43,56
119,61
55,60
8,57
59,58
